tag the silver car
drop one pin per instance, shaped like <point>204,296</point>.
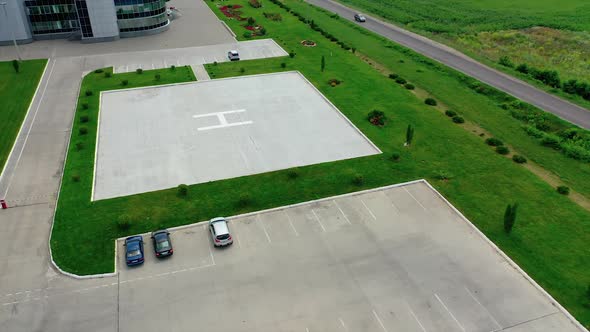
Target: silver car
<point>220,232</point>
<point>233,55</point>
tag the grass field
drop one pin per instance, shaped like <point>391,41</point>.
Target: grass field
<point>16,92</point>
<point>549,240</point>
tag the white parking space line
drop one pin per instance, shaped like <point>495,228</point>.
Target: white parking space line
<point>416,318</point>
<point>379,320</point>
<point>392,202</point>
<point>291,223</point>
<point>369,210</point>
<point>484,308</point>
<point>417,201</point>
<point>306,329</point>
<point>211,254</point>
<point>318,219</point>
<point>263,228</point>
<point>343,325</point>
<point>344,215</point>
<point>450,313</point>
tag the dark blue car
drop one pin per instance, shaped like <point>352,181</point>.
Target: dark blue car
<point>134,250</point>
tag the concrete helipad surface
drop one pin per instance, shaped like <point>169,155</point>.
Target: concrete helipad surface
<point>159,137</point>
<point>394,259</point>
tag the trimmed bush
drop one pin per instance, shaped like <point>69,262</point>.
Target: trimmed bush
<point>395,156</point>
<point>125,82</point>
<point>182,190</point>
<point>376,117</point>
<point>505,61</point>
<point>76,178</point>
<point>519,159</point>
<point>88,93</point>
<point>442,175</point>
<point>173,67</point>
<point>157,77</point>
<point>84,118</point>
<point>430,101</point>
<point>292,174</point>
<point>83,130</point>
<point>550,140</point>
<point>244,201</point>
<point>400,80</point>
<point>251,20</point>
<point>283,65</point>
<point>79,146</point>
<point>139,71</point>
<point>358,180</point>
<point>492,141</point>
<point>450,113</point>
<point>458,119</point>
<point>124,222</point>
<point>108,74</point>
<point>292,54</point>
<point>393,76</point>
<point>409,86</point>
<point>502,150</point>
<point>85,106</point>
<point>247,34</point>
<point>98,71</point>
<point>564,190</point>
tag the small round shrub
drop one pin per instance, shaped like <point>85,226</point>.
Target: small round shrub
<point>88,93</point>
<point>242,70</point>
<point>139,71</point>
<point>395,156</point>
<point>358,180</point>
<point>519,159</point>
<point>244,201</point>
<point>292,174</point>
<point>83,131</point>
<point>247,34</point>
<point>98,71</point>
<point>79,146</point>
<point>124,222</point>
<point>450,113</point>
<point>215,63</point>
<point>76,178</point>
<point>251,20</point>
<point>563,190</point>
<point>84,118</point>
<point>442,175</point>
<point>376,117</point>
<point>182,190</point>
<point>108,74</point>
<point>292,54</point>
<point>283,65</point>
<point>400,80</point>
<point>492,141</point>
<point>458,119</point>
<point>409,86</point>
<point>430,101</point>
<point>157,77</point>
<point>173,67</point>
<point>393,76</point>
<point>502,150</point>
<point>125,82</point>
<point>85,106</point>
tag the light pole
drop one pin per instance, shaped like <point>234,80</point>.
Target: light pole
<point>11,30</point>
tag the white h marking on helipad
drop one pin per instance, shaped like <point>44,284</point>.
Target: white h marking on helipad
<point>222,120</point>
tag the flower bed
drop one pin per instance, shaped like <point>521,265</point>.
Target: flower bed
<point>232,12</point>
<point>308,43</point>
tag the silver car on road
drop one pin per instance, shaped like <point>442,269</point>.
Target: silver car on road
<point>220,232</point>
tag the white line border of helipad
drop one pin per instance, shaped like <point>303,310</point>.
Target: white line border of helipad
<point>296,72</point>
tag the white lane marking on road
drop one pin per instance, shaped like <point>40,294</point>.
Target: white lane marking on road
<point>370,212</point>
<point>379,320</point>
<point>290,223</point>
<point>263,228</point>
<point>417,201</point>
<point>484,308</point>
<point>318,219</point>
<point>343,325</point>
<point>344,215</point>
<point>306,329</point>
<point>450,313</point>
<point>20,154</point>
<point>211,254</point>
<point>416,318</point>
<point>222,120</point>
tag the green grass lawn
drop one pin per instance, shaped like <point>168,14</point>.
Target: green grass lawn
<point>550,237</point>
<point>16,92</point>
<point>480,28</point>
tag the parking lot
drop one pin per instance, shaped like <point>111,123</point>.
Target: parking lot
<point>219,129</point>
<point>394,259</point>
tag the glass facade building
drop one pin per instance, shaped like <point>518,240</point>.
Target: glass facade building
<point>91,20</point>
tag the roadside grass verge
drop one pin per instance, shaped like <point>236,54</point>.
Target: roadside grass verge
<point>16,92</point>
<point>550,237</point>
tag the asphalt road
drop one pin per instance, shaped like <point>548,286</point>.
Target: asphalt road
<point>454,59</point>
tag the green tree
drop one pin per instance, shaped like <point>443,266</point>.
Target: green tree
<point>16,65</point>
<point>323,65</point>
<point>409,135</point>
<point>510,217</point>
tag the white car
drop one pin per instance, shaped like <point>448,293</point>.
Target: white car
<point>220,232</point>
<point>233,55</point>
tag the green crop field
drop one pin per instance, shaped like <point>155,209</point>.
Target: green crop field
<point>551,234</point>
<point>16,92</point>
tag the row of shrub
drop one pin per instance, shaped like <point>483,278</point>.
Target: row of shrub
<point>569,142</point>
<point>314,26</point>
<point>551,78</point>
